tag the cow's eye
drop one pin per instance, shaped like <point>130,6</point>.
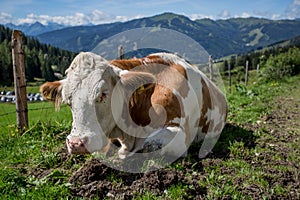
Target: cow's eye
<point>69,102</point>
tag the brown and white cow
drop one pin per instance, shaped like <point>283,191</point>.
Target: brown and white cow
<point>160,99</point>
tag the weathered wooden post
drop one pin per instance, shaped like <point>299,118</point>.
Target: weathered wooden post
<point>211,72</point>
<point>19,80</point>
<point>246,75</point>
<point>121,52</point>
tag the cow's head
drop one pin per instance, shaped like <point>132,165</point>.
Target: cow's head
<point>87,90</point>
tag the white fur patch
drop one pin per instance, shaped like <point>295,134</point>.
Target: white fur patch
<point>168,57</point>
<point>169,141</point>
<point>123,72</point>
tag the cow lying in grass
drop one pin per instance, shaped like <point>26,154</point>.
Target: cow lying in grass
<point>157,100</point>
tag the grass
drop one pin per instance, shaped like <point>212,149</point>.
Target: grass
<point>253,159</point>
<point>247,164</point>
<point>23,153</point>
<point>37,112</point>
<point>36,148</point>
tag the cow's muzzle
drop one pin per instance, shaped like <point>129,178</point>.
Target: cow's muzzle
<point>76,145</point>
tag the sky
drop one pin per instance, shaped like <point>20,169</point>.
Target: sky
<point>83,12</point>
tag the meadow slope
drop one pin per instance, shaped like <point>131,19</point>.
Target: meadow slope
<point>256,157</point>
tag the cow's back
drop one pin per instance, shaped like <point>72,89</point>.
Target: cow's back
<point>182,96</point>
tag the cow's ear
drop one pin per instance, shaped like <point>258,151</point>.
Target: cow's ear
<point>132,80</point>
<point>52,91</point>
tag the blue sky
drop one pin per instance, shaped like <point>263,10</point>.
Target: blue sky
<point>80,12</point>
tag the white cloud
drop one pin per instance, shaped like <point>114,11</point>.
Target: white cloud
<point>95,17</point>
<point>200,16</point>
<point>243,15</point>
<point>5,18</point>
<point>267,14</point>
<point>293,10</point>
<point>31,18</point>
<point>224,14</point>
<point>297,2</point>
<point>276,16</point>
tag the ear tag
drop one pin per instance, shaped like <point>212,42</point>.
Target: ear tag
<point>141,89</point>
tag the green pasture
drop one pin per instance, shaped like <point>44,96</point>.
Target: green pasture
<point>37,112</point>
<point>253,159</point>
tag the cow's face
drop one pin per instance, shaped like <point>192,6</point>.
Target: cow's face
<point>86,90</point>
<point>91,111</point>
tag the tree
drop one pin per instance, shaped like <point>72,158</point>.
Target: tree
<point>36,63</point>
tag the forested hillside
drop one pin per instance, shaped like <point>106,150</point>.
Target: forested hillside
<point>41,61</point>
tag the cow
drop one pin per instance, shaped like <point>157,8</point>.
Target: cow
<point>158,101</point>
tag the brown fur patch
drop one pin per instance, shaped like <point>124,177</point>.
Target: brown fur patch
<point>206,104</point>
<point>126,64</point>
<point>52,92</point>
<point>135,62</point>
<point>187,133</point>
<point>162,94</point>
<point>219,101</point>
<point>212,99</point>
<point>165,97</point>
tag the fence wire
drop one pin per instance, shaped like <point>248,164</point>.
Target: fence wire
<point>43,108</point>
<point>37,112</point>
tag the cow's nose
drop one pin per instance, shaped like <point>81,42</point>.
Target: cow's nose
<point>76,145</point>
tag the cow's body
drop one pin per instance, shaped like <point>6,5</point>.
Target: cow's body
<point>159,99</point>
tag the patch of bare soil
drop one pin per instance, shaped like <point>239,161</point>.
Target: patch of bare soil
<point>95,179</point>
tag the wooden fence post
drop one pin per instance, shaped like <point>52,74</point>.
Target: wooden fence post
<point>211,68</point>
<point>121,52</point>
<point>19,80</point>
<point>246,75</point>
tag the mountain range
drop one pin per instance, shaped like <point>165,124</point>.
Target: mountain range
<point>218,37</point>
<point>35,28</point>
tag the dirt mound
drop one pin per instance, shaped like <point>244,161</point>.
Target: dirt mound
<point>95,179</point>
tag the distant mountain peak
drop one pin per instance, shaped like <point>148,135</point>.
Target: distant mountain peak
<point>37,23</point>
<point>36,28</point>
<point>167,16</point>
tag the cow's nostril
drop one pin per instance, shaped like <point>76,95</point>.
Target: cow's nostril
<point>69,143</point>
<point>80,144</point>
<point>77,145</point>
<point>84,140</point>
